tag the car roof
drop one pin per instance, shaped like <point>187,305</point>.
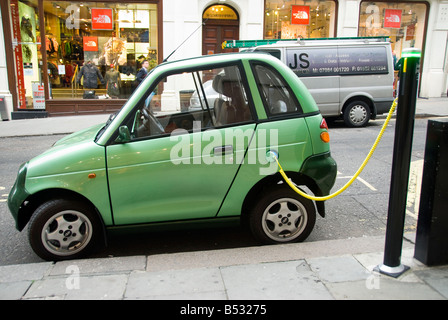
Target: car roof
<point>216,59</point>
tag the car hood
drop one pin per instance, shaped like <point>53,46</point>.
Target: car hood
<point>74,153</point>
<point>88,134</point>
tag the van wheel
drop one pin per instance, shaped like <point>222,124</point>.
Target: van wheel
<point>357,114</point>
<point>282,216</point>
<point>63,229</point>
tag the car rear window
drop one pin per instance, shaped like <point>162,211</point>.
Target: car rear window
<point>278,98</point>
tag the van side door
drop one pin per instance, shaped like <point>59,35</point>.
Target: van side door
<point>318,70</point>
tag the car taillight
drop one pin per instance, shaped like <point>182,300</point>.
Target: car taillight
<point>323,124</point>
<point>324,136</point>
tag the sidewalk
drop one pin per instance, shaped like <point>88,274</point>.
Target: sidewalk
<point>49,126</point>
<point>432,107</point>
<point>322,270</point>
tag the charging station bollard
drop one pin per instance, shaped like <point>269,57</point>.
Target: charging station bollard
<point>401,161</point>
<point>431,242</point>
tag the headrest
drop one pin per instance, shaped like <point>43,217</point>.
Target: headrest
<point>217,83</point>
<point>230,75</point>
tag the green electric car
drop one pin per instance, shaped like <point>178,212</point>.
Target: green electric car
<point>160,161</point>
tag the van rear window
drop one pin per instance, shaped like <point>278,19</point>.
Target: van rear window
<point>312,62</point>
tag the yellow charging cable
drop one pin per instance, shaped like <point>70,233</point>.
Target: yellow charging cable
<point>366,160</point>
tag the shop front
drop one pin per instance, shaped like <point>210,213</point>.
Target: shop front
<point>79,57</point>
<point>403,22</point>
<point>406,23</point>
<point>50,44</point>
<point>299,19</point>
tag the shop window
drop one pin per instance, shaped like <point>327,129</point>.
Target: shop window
<point>299,19</point>
<point>403,22</point>
<point>95,49</point>
<point>27,57</point>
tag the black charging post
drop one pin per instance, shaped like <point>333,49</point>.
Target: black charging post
<point>401,161</point>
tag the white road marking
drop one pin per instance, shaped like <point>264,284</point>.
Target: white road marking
<point>368,185</point>
<point>5,195</point>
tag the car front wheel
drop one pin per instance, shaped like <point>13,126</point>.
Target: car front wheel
<point>63,229</point>
<point>282,216</point>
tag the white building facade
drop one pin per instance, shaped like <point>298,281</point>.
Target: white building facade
<point>423,25</point>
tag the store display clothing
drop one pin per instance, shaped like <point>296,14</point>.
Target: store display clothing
<point>113,82</point>
<point>91,75</point>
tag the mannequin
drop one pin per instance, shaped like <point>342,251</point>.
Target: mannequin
<point>113,82</point>
<point>91,75</point>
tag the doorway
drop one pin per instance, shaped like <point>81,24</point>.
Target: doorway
<point>221,24</point>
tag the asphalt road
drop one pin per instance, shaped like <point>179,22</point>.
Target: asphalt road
<point>359,211</point>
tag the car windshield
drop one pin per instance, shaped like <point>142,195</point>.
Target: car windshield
<point>113,115</point>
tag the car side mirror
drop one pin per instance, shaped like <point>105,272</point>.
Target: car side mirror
<point>123,135</point>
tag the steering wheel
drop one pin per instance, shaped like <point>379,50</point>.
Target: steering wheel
<point>154,122</point>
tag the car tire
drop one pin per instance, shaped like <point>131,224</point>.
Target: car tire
<point>282,216</point>
<point>357,114</point>
<point>63,229</point>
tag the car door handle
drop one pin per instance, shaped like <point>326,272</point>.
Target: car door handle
<point>218,151</point>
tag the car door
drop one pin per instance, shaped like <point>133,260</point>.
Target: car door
<point>178,165</point>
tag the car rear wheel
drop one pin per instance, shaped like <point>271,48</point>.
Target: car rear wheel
<point>357,114</point>
<point>282,216</point>
<point>63,229</point>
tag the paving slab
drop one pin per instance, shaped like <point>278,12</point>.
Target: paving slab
<point>176,284</point>
<point>13,290</point>
<point>21,272</point>
<point>280,280</point>
<point>101,287</point>
<point>382,289</point>
<point>338,269</point>
<point>436,277</point>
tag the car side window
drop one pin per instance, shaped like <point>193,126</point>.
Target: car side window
<point>197,100</point>
<point>277,95</point>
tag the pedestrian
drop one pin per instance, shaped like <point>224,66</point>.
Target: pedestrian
<point>141,74</point>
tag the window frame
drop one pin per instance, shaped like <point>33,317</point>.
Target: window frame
<point>128,120</point>
<point>276,116</point>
